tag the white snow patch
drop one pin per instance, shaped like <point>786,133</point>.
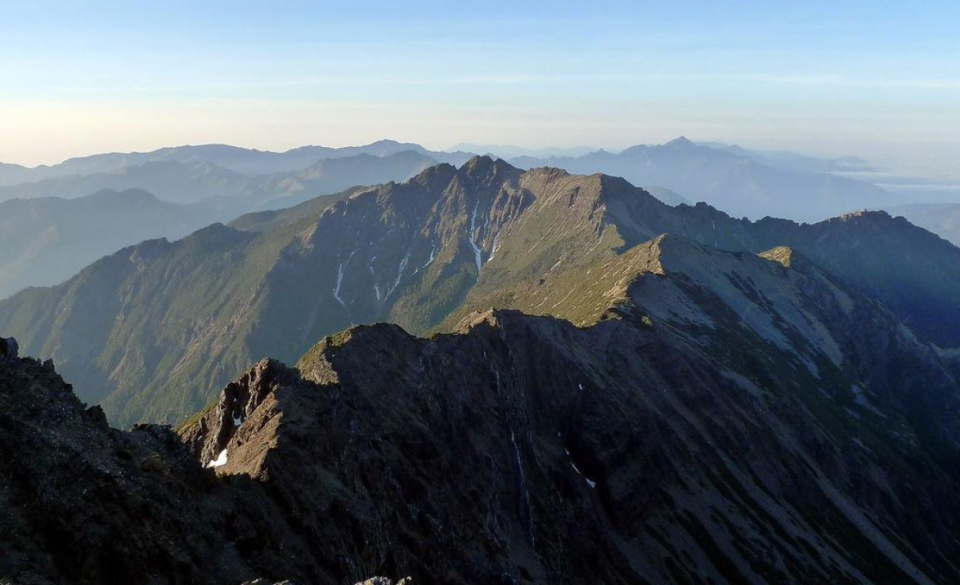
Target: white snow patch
<point>219,461</point>
<point>238,420</point>
<point>495,247</point>
<point>403,266</point>
<point>376,286</point>
<point>340,267</point>
<point>433,256</point>
<point>477,252</point>
<point>336,289</point>
<point>590,482</point>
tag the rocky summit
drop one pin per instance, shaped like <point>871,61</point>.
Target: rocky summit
<point>715,416</point>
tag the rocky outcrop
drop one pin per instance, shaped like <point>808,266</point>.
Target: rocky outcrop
<point>9,348</point>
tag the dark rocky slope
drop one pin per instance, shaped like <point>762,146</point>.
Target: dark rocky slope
<point>81,503</point>
<point>732,418</point>
<point>726,418</point>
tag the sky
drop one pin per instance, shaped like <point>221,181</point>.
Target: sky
<point>878,79</point>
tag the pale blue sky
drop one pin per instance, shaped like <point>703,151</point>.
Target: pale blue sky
<point>82,77</point>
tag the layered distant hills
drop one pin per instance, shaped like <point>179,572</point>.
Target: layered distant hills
<point>217,183</point>
<point>243,161</point>
<point>153,331</point>
<point>740,182</point>
<point>53,227</point>
<point>46,240</point>
<point>203,182</point>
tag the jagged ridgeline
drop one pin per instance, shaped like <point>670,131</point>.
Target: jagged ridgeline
<point>715,417</point>
<point>154,331</point>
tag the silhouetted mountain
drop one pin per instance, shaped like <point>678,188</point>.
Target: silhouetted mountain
<point>171,181</point>
<point>942,219</point>
<point>47,240</point>
<point>224,194</point>
<point>244,161</point>
<point>739,184</point>
<point>666,195</point>
<point>154,330</point>
<point>13,174</point>
<point>798,162</point>
<point>508,151</point>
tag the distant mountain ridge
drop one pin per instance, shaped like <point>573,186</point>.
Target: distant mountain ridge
<point>45,241</point>
<point>244,161</point>
<point>154,330</point>
<point>202,181</point>
<point>741,184</point>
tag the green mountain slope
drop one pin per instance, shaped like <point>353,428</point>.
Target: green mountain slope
<point>155,330</point>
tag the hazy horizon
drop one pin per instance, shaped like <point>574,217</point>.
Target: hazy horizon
<point>881,82</point>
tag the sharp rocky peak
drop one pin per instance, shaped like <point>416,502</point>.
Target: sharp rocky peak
<point>486,167</point>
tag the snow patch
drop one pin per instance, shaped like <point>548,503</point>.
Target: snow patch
<point>403,266</point>
<point>376,286</point>
<point>238,420</point>
<point>590,482</point>
<point>495,247</point>
<point>219,461</point>
<point>336,289</point>
<point>340,267</point>
<point>433,256</point>
<point>477,252</point>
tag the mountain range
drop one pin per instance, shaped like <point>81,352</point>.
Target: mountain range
<point>244,161</point>
<point>741,182</point>
<point>204,182</point>
<point>153,331</point>
<point>696,415</point>
<point>47,239</point>
<point>219,183</point>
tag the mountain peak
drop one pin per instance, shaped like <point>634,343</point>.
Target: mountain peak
<point>680,142</point>
<point>865,214</point>
<point>480,161</point>
<point>484,165</point>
